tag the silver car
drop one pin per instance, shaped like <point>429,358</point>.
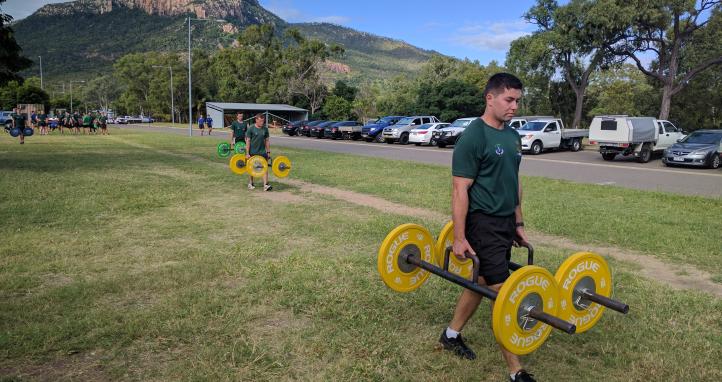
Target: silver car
<point>702,148</point>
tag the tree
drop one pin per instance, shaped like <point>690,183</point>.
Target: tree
<point>527,58</point>
<point>343,90</point>
<point>580,35</point>
<point>337,108</point>
<point>11,60</point>
<point>101,91</point>
<point>663,28</point>
<point>620,90</point>
<point>451,99</point>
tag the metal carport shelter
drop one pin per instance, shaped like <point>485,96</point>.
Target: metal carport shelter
<point>226,111</point>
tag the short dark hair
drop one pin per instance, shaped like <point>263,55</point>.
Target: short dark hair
<point>502,81</point>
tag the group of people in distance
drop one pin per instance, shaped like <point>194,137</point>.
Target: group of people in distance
<point>90,123</point>
<point>203,122</point>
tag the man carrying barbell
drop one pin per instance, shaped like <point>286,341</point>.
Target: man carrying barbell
<point>258,143</point>
<point>238,130</point>
<point>486,206</point>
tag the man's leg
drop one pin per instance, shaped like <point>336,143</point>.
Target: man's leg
<point>511,359</point>
<point>465,308</point>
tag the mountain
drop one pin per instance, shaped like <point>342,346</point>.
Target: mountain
<point>83,38</point>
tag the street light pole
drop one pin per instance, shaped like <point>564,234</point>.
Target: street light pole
<point>190,90</point>
<point>172,103</point>
<point>41,73</point>
<point>71,94</point>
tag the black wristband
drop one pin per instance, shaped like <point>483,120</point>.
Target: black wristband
<point>520,224</point>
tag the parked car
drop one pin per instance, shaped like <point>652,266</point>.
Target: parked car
<point>423,134</point>
<point>517,122</point>
<point>373,131</point>
<point>350,129</point>
<point>5,119</point>
<point>549,133</point>
<point>305,129</point>
<point>449,135</point>
<point>292,128</point>
<point>318,130</point>
<point>700,148</point>
<point>121,121</point>
<point>146,120</point>
<point>638,136</point>
<point>129,119</point>
<point>399,132</point>
<point>333,130</point>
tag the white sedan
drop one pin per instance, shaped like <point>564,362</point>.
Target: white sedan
<point>422,135</point>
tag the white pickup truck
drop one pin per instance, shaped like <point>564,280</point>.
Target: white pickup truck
<point>638,136</point>
<point>549,133</point>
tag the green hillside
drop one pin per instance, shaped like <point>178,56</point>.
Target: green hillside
<point>76,41</point>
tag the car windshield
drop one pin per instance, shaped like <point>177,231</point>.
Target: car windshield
<point>386,120</point>
<point>533,126</point>
<point>406,121</point>
<point>703,138</point>
<point>461,123</point>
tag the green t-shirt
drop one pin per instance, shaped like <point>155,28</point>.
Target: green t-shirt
<point>42,117</point>
<point>257,137</point>
<point>86,120</point>
<point>490,157</point>
<point>19,120</point>
<point>239,129</point>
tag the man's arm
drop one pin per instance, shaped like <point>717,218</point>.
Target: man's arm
<point>268,145</point>
<point>519,218</point>
<point>459,209</point>
<point>248,146</point>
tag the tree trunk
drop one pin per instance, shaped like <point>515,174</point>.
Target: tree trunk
<point>578,108</point>
<point>666,101</point>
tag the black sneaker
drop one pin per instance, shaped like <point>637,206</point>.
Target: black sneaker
<point>457,346</point>
<point>522,376</point>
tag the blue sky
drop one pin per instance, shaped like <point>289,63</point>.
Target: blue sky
<point>478,30</point>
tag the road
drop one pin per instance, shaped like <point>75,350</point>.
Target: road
<point>585,166</point>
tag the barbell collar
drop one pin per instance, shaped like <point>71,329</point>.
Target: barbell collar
<point>552,321</point>
<point>605,301</point>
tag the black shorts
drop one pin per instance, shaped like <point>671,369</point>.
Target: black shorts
<point>201,127</point>
<point>264,155</point>
<point>491,237</point>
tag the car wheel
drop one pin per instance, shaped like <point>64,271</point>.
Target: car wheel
<point>576,145</point>
<point>714,162</point>
<point>608,156</point>
<point>379,139</point>
<point>432,142</point>
<point>404,140</point>
<point>536,148</point>
<point>645,155</point>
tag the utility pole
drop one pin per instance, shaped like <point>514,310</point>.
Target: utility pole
<point>41,73</point>
<point>190,90</point>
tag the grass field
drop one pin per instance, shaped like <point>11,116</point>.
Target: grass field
<point>139,256</point>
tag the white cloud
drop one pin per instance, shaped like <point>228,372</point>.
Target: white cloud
<point>495,37</point>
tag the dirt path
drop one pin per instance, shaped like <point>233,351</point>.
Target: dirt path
<point>683,277</point>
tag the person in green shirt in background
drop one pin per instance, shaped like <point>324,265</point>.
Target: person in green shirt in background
<point>19,123</point>
<point>43,123</point>
<point>238,130</point>
<point>104,124</point>
<point>87,123</point>
<point>258,143</point>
